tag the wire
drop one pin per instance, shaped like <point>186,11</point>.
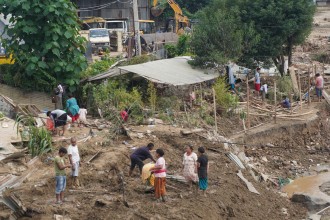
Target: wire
<point>99,7</point>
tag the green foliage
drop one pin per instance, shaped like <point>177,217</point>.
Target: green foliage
<point>152,96</point>
<point>183,46</point>
<point>97,67</point>
<point>171,50</point>
<point>223,97</point>
<point>245,31</point>
<point>279,26</point>
<point>112,97</point>
<point>39,139</point>
<point>138,60</point>
<point>44,42</point>
<point>219,35</point>
<point>193,5</point>
<point>284,85</point>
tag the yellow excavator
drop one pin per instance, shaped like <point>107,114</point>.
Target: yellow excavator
<point>181,21</point>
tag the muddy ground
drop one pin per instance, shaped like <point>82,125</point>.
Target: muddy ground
<point>228,198</point>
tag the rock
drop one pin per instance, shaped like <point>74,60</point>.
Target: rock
<point>270,145</point>
<point>284,211</point>
<point>286,163</point>
<point>264,159</point>
<point>230,211</point>
<point>101,203</point>
<point>294,163</point>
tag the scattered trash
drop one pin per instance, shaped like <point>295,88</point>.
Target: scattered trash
<point>235,159</point>
<point>247,183</point>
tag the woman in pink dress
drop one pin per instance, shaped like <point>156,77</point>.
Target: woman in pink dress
<point>190,165</point>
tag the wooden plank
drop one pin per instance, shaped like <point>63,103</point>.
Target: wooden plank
<point>326,96</point>
<point>294,80</point>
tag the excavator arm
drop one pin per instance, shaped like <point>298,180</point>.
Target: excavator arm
<point>179,17</point>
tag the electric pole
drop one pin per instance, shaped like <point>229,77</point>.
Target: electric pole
<point>137,28</point>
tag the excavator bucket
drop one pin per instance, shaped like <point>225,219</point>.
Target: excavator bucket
<point>156,11</point>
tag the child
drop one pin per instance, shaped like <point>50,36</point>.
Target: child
<point>202,169</point>
<point>60,175</point>
<point>74,158</point>
<point>159,171</point>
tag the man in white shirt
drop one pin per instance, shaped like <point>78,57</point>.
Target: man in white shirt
<point>74,158</point>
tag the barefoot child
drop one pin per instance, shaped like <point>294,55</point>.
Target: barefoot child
<point>160,175</point>
<point>202,169</point>
<point>60,175</point>
<point>74,158</point>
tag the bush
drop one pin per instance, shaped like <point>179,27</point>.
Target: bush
<point>223,97</point>
<point>284,85</point>
<point>171,50</point>
<point>97,67</point>
<point>152,96</point>
<point>39,139</point>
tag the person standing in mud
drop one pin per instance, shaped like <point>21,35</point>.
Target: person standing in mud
<point>74,158</point>
<point>60,175</point>
<point>202,169</point>
<point>140,155</point>
<point>319,86</point>
<point>190,165</point>
<point>159,171</point>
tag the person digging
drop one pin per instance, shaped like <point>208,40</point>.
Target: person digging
<point>140,155</point>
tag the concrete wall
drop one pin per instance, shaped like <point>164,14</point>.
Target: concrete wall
<point>41,100</point>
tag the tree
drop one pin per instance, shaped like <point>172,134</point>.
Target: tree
<point>280,25</point>
<point>193,5</point>
<point>44,42</point>
<point>249,31</point>
<point>220,35</point>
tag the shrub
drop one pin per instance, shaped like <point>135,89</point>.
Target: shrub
<point>223,97</point>
<point>39,139</point>
<point>97,67</point>
<point>152,96</point>
<point>171,50</point>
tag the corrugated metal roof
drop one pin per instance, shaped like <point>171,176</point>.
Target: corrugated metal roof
<point>175,71</point>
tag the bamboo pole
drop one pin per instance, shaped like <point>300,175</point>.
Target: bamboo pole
<point>290,97</point>
<point>215,111</point>
<point>248,104</point>
<point>299,85</point>
<point>309,86</point>
<point>275,101</point>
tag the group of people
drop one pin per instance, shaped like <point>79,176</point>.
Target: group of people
<point>72,113</point>
<point>60,165</point>
<point>195,168</point>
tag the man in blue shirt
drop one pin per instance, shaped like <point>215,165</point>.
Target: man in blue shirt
<point>139,155</point>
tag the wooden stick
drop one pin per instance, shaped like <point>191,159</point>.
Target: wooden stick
<point>275,101</point>
<point>291,107</point>
<point>299,85</point>
<point>309,86</point>
<point>244,127</point>
<point>215,111</point>
<point>251,128</point>
<point>248,103</point>
<point>262,109</point>
<point>93,157</point>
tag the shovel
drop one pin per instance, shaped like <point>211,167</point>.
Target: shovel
<point>123,188</point>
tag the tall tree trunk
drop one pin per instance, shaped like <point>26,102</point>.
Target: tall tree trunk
<point>290,47</point>
<point>279,63</point>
